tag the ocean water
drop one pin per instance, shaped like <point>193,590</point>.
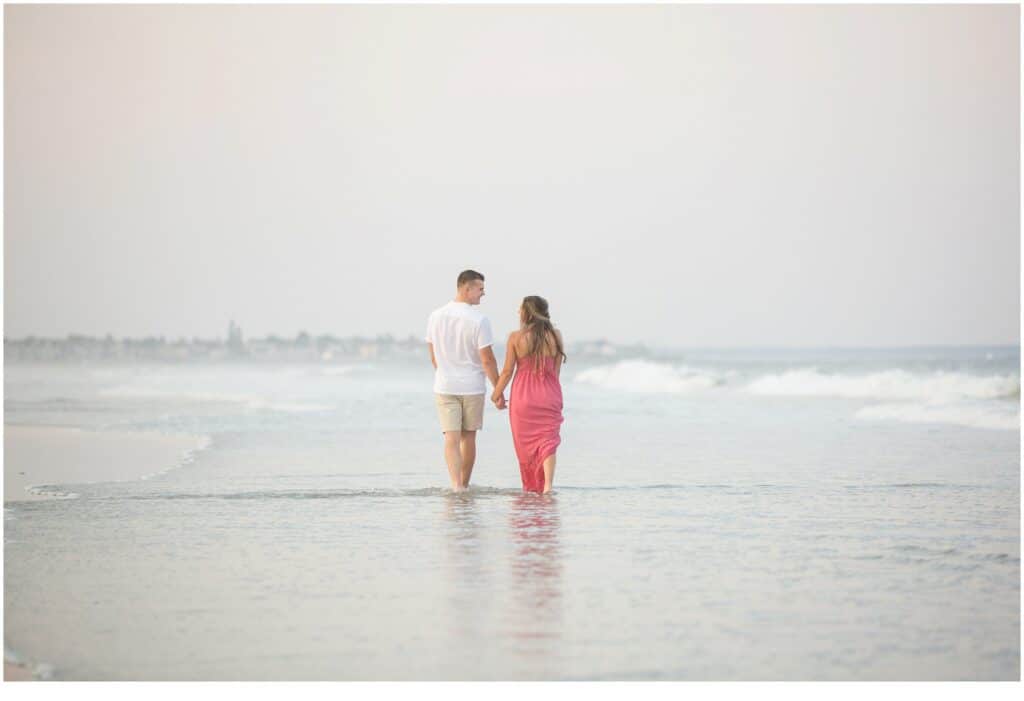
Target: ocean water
<point>718,515</point>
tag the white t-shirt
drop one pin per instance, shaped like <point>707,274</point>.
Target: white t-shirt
<point>458,333</point>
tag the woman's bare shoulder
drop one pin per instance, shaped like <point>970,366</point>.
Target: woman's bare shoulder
<point>515,340</point>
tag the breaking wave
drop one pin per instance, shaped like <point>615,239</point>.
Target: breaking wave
<point>888,384</point>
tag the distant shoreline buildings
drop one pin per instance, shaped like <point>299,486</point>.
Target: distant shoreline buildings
<point>302,348</point>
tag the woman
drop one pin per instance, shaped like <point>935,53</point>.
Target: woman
<point>536,354</point>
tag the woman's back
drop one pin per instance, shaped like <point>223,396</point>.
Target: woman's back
<point>548,348</point>
<point>536,353</point>
<point>535,408</point>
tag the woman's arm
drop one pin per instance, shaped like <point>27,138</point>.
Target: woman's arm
<point>506,372</point>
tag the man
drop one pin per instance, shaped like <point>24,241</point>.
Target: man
<point>459,339</point>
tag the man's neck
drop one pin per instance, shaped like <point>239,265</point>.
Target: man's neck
<point>460,300</point>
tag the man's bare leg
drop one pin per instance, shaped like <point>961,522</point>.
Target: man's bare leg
<point>549,472</point>
<point>468,445</point>
<point>453,456</point>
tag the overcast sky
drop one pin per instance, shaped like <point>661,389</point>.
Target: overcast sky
<point>673,175</point>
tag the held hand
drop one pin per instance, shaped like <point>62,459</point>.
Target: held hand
<point>499,400</point>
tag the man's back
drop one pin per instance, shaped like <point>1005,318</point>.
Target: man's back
<point>458,332</point>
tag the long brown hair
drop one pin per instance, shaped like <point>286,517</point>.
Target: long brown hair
<point>534,317</point>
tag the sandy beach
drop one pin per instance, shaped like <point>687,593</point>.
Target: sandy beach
<point>16,672</point>
<point>47,455</point>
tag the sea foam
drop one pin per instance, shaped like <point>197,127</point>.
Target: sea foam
<point>1000,416</point>
<point>887,384</point>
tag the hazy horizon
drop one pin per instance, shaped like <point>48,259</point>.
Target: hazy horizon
<point>789,176</point>
<point>501,342</point>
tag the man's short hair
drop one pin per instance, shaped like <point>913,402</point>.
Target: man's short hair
<point>468,276</point>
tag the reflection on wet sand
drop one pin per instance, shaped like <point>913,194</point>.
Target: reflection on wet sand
<point>534,617</point>
<point>467,576</point>
<point>524,607</point>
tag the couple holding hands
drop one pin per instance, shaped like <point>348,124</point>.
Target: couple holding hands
<point>460,342</point>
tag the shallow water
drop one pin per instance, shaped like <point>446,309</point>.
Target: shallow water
<point>704,531</point>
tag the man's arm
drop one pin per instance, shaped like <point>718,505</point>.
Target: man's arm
<point>490,364</point>
<point>433,360</point>
<point>510,365</point>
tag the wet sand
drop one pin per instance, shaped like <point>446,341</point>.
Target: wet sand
<point>16,672</point>
<point>48,455</point>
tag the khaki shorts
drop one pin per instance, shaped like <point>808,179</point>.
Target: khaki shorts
<point>460,412</point>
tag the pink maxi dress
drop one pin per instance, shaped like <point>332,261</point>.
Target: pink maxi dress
<point>535,412</point>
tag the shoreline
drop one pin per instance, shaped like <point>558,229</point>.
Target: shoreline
<point>39,458</point>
